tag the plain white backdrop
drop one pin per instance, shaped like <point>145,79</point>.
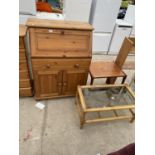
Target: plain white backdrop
<point>9,102</point>
<point>145,78</point>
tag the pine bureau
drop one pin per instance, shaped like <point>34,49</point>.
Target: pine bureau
<point>61,53</point>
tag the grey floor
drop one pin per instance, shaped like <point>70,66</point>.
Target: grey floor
<point>55,129</point>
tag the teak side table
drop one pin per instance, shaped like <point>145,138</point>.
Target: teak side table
<point>119,100</point>
<point>101,69</point>
<point>112,70</point>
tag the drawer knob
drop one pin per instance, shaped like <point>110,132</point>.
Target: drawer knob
<point>76,65</point>
<point>62,32</point>
<point>64,84</point>
<point>48,66</point>
<point>50,31</point>
<point>59,84</point>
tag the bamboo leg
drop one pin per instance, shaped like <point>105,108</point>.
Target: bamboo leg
<point>115,112</point>
<point>99,115</point>
<point>132,119</point>
<point>81,113</point>
<point>133,116</point>
<point>82,120</point>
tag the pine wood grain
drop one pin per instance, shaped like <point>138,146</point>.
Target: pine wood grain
<point>60,43</point>
<point>22,30</point>
<point>44,23</point>
<point>101,69</point>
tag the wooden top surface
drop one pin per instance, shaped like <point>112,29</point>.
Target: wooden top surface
<point>101,69</point>
<point>22,30</point>
<point>58,24</point>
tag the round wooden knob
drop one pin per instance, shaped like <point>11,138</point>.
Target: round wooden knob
<point>62,32</point>
<point>64,83</point>
<point>76,65</point>
<point>48,66</point>
<point>59,84</point>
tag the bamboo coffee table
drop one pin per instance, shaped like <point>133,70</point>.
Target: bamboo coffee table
<point>116,100</point>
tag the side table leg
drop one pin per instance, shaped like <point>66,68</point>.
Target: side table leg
<point>91,80</point>
<point>132,119</point>
<point>124,78</point>
<point>133,116</point>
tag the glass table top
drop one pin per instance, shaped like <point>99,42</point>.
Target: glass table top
<point>98,97</point>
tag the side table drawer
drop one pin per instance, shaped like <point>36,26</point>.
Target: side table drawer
<point>22,56</point>
<point>25,91</point>
<point>22,65</point>
<point>25,83</point>
<point>23,74</point>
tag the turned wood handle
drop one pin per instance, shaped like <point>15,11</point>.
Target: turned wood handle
<point>64,84</point>
<point>48,66</point>
<point>62,32</point>
<point>59,84</point>
<point>76,65</point>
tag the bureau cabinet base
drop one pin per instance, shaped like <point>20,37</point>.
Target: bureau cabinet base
<point>59,79</point>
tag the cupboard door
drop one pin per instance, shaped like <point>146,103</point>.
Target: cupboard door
<point>47,83</point>
<point>73,78</point>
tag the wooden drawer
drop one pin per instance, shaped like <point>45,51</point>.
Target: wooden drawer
<point>21,42</point>
<point>22,55</point>
<point>22,65</point>
<point>60,43</point>
<point>24,83</point>
<point>62,64</point>
<point>22,50</point>
<point>25,91</point>
<point>23,75</point>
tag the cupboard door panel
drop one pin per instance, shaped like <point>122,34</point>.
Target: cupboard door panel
<point>73,78</point>
<point>47,83</point>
